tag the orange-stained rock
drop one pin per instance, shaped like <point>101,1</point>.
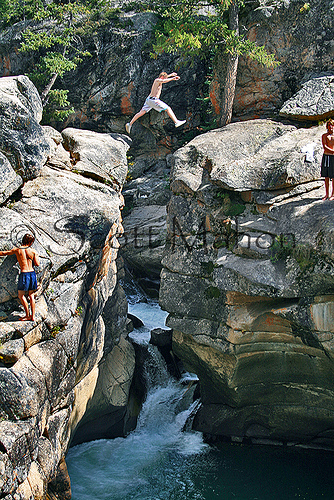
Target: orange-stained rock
<point>126,106</point>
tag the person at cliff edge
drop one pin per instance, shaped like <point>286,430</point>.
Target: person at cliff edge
<point>153,101</point>
<point>27,258</point>
<point>327,163</point>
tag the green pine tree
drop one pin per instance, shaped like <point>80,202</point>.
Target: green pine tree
<point>208,29</point>
<point>54,32</point>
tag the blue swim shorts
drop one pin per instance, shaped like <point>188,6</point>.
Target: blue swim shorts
<point>27,281</point>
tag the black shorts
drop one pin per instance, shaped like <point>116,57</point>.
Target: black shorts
<point>327,166</point>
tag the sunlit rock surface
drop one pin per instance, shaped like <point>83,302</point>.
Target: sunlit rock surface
<point>22,139</point>
<point>68,374</point>
<point>314,101</point>
<point>248,282</point>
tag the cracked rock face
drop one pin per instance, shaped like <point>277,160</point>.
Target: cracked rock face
<point>22,138</point>
<point>302,41</point>
<point>69,372</point>
<point>100,156</point>
<point>260,156</point>
<point>248,281</point>
<point>315,100</point>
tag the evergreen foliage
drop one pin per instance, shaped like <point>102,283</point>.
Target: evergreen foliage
<point>53,31</point>
<point>184,29</point>
<point>206,29</point>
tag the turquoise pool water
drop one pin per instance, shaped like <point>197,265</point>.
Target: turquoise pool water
<point>159,461</point>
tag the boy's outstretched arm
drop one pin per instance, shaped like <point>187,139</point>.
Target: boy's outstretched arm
<point>7,252</point>
<point>166,80</point>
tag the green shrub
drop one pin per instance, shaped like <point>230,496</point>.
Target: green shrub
<point>281,248</point>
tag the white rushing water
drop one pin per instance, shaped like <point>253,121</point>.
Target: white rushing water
<point>151,315</point>
<point>148,463</point>
<point>159,461</point>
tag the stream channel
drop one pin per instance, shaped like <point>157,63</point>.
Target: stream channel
<point>161,461</point>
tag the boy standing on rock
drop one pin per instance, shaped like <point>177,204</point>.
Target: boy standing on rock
<point>153,101</point>
<point>27,258</point>
<point>327,163</point>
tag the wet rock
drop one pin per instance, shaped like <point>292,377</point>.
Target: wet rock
<point>105,412</point>
<point>144,238</point>
<point>161,337</point>
<point>61,484</point>
<point>136,322</point>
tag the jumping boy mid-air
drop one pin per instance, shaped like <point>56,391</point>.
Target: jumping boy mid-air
<point>27,258</point>
<point>153,101</point>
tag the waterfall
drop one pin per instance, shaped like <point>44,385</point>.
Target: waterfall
<point>162,459</point>
<point>140,465</point>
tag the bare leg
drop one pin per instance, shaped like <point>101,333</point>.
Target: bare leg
<point>332,195</point>
<point>137,115</point>
<point>171,114</point>
<point>327,188</point>
<point>24,302</point>
<point>32,304</point>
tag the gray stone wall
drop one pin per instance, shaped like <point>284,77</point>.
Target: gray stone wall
<point>67,374</point>
<point>302,41</point>
<point>248,282</point>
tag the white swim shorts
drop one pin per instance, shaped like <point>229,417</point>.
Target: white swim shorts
<point>154,103</point>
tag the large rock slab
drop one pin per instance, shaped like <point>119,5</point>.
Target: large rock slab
<point>248,281</point>
<point>256,155</point>
<point>143,240</point>
<point>314,101</point>
<point>107,404</point>
<point>22,139</point>
<point>100,156</point>
<point>75,217</point>
<point>10,181</point>
<point>75,213</point>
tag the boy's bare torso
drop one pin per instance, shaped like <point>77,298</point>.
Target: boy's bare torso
<point>26,257</point>
<point>328,141</point>
<point>156,88</point>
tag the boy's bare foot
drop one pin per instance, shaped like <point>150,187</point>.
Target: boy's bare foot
<point>26,318</point>
<point>325,198</point>
<point>332,197</point>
